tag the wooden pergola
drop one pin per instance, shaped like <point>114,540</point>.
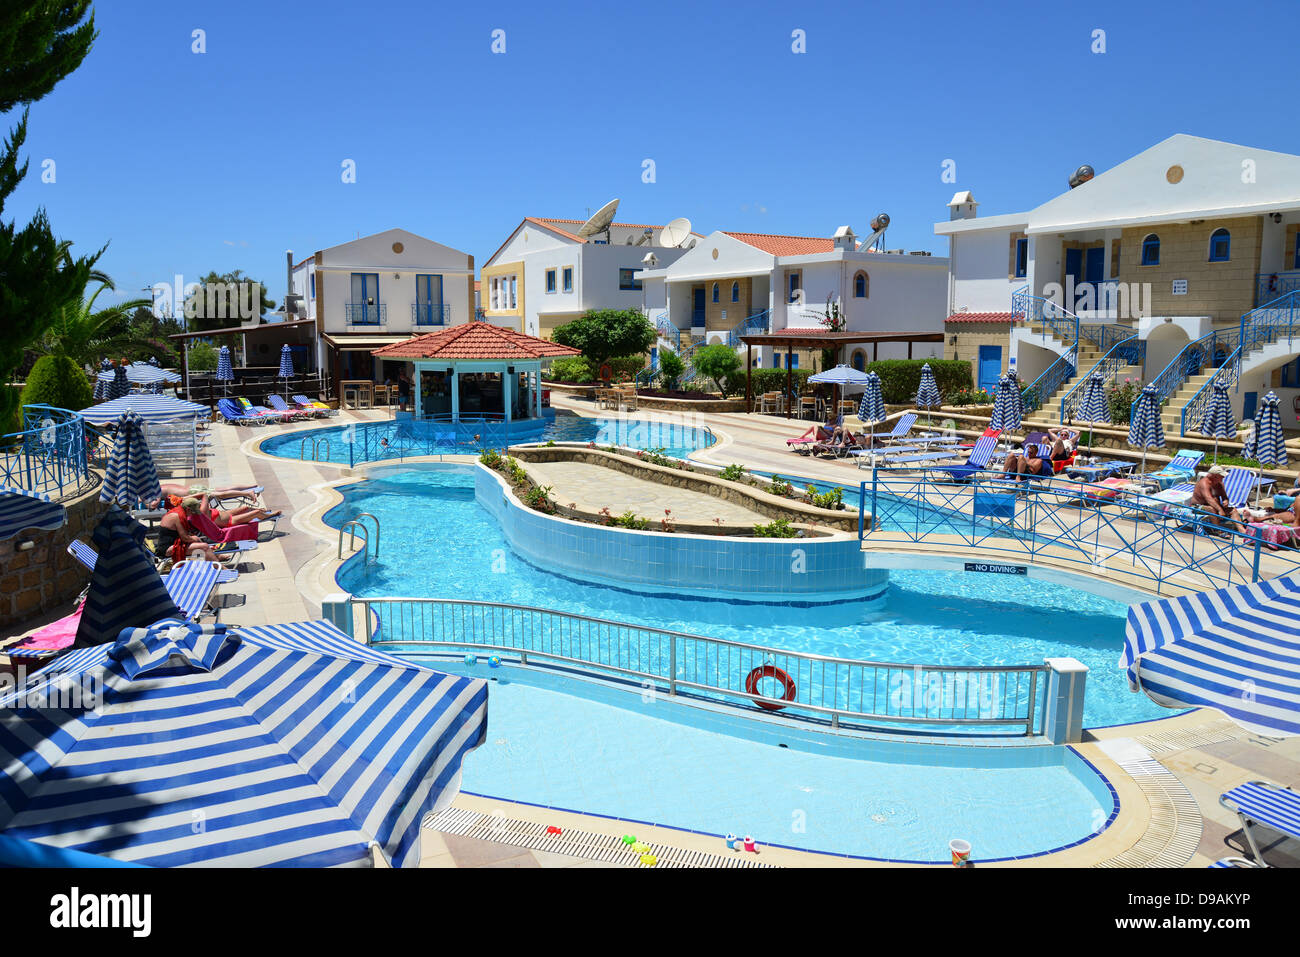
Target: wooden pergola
<point>819,339</point>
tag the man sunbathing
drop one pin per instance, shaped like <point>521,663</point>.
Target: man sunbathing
<point>816,434</point>
<point>240,515</point>
<point>184,491</point>
<point>841,440</point>
<point>1210,496</point>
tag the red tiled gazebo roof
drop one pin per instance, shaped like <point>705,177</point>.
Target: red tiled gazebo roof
<point>983,317</point>
<point>475,340</point>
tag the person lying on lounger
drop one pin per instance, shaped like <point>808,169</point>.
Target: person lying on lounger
<point>184,491</point>
<point>1210,496</point>
<point>240,515</point>
<point>817,434</point>
<point>840,441</point>
<point>177,540</point>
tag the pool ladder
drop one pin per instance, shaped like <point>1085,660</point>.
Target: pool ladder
<point>351,526</point>
<point>316,445</point>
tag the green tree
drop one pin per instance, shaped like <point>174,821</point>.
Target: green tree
<point>603,334</point>
<point>720,363</point>
<point>203,357</point>
<point>57,381</point>
<point>672,367</point>
<point>41,42</point>
<point>85,334</point>
<point>224,300</point>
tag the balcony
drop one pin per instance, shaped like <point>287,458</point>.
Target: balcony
<point>1274,285</point>
<point>430,313</point>
<point>366,313</point>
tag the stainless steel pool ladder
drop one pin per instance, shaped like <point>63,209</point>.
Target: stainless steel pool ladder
<point>351,526</point>
<point>315,448</point>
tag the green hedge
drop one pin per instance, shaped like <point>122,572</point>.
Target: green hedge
<point>900,378</point>
<point>578,368</point>
<point>57,381</point>
<point>773,380</point>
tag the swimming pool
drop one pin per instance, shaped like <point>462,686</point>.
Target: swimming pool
<point>364,442</point>
<point>439,542</point>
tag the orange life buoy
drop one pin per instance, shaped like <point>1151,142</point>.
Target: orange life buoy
<point>770,671</point>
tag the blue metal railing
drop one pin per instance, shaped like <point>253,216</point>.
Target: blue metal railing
<point>50,454</point>
<point>1139,536</point>
<point>1063,323</point>
<point>1262,326</point>
<point>430,313</point>
<point>1130,351</point>
<point>1269,286</point>
<point>1049,383</point>
<point>366,313</point>
<point>668,331</point>
<point>752,325</point>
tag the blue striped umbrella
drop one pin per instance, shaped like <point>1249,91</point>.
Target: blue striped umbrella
<point>1218,420</point>
<point>142,373</point>
<point>1007,410</point>
<point>928,392</point>
<point>1236,649</point>
<point>21,510</point>
<point>1147,431</point>
<point>125,590</point>
<point>224,372</point>
<point>286,366</point>
<point>276,745</point>
<point>1094,407</point>
<point>118,386</point>
<point>130,479</point>
<point>101,390</point>
<point>150,408</point>
<point>1270,444</point>
<point>872,407</point>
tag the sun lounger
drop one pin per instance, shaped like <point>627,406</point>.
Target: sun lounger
<point>803,446</point>
<point>277,404</point>
<point>246,531</point>
<point>1180,468</point>
<point>312,405</point>
<point>901,428</point>
<point>260,410</point>
<point>87,556</point>
<point>1258,802</point>
<point>48,641</point>
<point>190,586</point>
<point>1240,482</point>
<point>1234,862</point>
<point>233,414</point>
<point>926,457</point>
<point>977,461</point>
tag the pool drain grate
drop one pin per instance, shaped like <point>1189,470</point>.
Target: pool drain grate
<point>588,845</point>
<point>1174,831</point>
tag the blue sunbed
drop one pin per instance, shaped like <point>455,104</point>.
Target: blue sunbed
<point>901,428</point>
<point>977,461</point>
<point>1258,802</point>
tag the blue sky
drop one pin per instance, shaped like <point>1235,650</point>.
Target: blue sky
<point>188,162</point>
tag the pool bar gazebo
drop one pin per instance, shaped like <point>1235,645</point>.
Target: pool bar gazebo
<point>476,373</point>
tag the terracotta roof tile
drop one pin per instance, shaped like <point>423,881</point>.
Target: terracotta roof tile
<point>982,317</point>
<point>784,245</point>
<point>475,340</point>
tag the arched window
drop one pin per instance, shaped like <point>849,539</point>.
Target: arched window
<point>859,360</point>
<point>715,292</point>
<point>861,285</point>
<point>1220,246</point>
<point>735,292</point>
<point>1151,250</point>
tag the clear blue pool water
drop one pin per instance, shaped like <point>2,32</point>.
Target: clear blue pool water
<point>438,542</point>
<point>342,444</point>
<point>608,752</point>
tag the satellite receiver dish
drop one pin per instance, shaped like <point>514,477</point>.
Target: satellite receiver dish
<point>676,232</point>
<point>599,222</point>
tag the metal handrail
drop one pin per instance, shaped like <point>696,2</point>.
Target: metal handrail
<point>430,313</point>
<point>1130,351</point>
<point>839,690</point>
<point>366,313</point>
<point>1050,382</point>
<point>49,456</point>
<point>354,524</point>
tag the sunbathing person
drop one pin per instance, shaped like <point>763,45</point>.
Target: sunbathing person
<point>817,433</point>
<point>1063,442</point>
<point>1210,496</point>
<point>175,530</point>
<point>841,441</point>
<point>240,515</point>
<point>183,491</point>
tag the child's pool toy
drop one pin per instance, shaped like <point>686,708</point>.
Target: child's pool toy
<point>629,839</point>
<point>552,829</point>
<point>471,659</point>
<point>640,848</point>
<point>494,662</point>
<point>750,845</point>
<point>649,860</point>
<point>732,842</point>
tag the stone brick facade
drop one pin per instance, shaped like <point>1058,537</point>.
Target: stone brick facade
<point>1222,290</point>
<point>970,336</point>
<point>38,579</point>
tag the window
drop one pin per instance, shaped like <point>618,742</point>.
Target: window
<point>513,282</point>
<point>715,292</point>
<point>1022,258</point>
<point>859,360</point>
<point>550,280</point>
<point>313,285</point>
<point>861,285</point>
<point>1291,375</point>
<point>794,361</point>
<point>794,280</point>
<point>1151,250</point>
<point>1220,246</point>
<point>568,279</point>
<point>735,292</point>
<point>627,278</point>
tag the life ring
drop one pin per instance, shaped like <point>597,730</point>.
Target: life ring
<point>770,671</point>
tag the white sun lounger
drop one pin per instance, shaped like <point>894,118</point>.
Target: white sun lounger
<point>1258,802</point>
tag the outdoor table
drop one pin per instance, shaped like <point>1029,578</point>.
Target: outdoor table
<point>363,391</point>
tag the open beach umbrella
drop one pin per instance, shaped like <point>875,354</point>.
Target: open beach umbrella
<point>130,479</point>
<point>1147,431</point>
<point>1094,408</point>
<point>142,373</point>
<point>840,376</point>
<point>224,373</point>
<point>150,408</point>
<point>286,367</point>
<point>1270,444</point>
<point>1217,420</point>
<point>118,385</point>
<point>275,745</point>
<point>1236,649</point>
<point>125,590</point>
<point>21,510</point>
<point>872,407</point>
<point>928,392</point>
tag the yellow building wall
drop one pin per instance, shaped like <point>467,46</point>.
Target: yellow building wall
<point>1222,290</point>
<point>515,269</point>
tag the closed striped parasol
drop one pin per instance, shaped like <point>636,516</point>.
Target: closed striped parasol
<point>1006,405</point>
<point>1094,408</point>
<point>1146,431</point>
<point>1236,649</point>
<point>130,479</point>
<point>224,373</point>
<point>872,407</point>
<point>928,393</point>
<point>288,745</point>
<point>1218,420</point>
<point>125,590</point>
<point>118,386</point>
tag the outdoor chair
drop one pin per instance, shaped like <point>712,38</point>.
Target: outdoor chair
<point>234,415</point>
<point>900,430</point>
<point>1258,802</point>
<point>277,404</point>
<point>1179,469</point>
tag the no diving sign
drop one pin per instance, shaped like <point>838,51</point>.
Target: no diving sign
<point>991,569</point>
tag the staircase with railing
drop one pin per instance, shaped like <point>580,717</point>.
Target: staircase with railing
<point>752,325</point>
<point>1125,353</point>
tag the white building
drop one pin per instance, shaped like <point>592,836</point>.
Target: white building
<point>545,274</point>
<point>378,290</point>
<point>734,283</point>
<point>1158,261</point>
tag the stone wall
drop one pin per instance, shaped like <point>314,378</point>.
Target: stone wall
<point>38,579</point>
<point>1222,290</point>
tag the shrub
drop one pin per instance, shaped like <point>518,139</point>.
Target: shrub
<point>491,458</point>
<point>672,367</point>
<point>733,473</point>
<point>900,378</point>
<point>773,380</point>
<point>777,528</point>
<point>781,487</point>
<point>571,369</point>
<point>539,497</point>
<point>720,363</point>
<point>964,397</point>
<point>627,366</point>
<point>629,520</point>
<point>1120,399</point>
<point>57,381</point>
<point>834,499</point>
<point>203,357</point>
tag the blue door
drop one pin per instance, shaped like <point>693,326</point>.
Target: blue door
<point>1094,269</point>
<point>428,301</point>
<point>1249,401</point>
<point>1073,272</point>
<point>697,314</point>
<point>990,368</point>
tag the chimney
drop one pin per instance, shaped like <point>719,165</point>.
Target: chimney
<point>962,206</point>
<point>845,239</point>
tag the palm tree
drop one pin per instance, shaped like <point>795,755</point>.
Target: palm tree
<point>84,334</point>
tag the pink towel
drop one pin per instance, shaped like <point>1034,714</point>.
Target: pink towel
<point>55,635</point>
<point>231,533</point>
<point>1274,535</point>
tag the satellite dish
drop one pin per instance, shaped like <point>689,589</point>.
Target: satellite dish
<point>676,232</point>
<point>599,222</point>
